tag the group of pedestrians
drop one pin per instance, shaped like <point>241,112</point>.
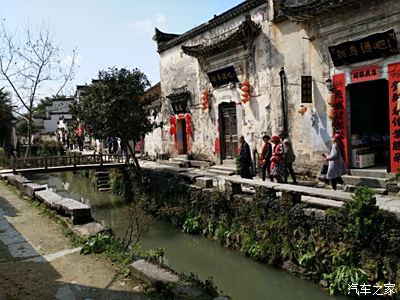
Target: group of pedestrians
<point>116,146</point>
<point>277,158</point>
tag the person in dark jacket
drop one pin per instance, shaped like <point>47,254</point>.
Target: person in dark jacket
<point>266,155</point>
<point>245,159</point>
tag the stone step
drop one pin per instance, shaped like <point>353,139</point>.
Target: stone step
<point>200,163</point>
<point>105,185</point>
<point>170,163</point>
<point>103,181</point>
<point>370,173</point>
<point>229,162</point>
<point>351,189</point>
<point>182,156</point>
<point>152,273</point>
<point>223,168</point>
<point>101,173</point>
<point>182,162</point>
<point>104,189</point>
<point>79,212</point>
<point>321,202</point>
<point>365,181</point>
<point>221,172</point>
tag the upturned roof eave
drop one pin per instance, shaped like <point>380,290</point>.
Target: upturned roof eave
<point>215,22</point>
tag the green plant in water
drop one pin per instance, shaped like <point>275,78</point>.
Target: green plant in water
<point>342,278</point>
<point>192,225</point>
<point>220,233</point>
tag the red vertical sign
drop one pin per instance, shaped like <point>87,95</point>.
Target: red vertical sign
<point>394,94</point>
<point>339,123</point>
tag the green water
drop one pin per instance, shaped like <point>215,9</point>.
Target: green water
<point>238,276</point>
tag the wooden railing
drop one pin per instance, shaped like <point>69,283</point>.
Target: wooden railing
<point>75,160</point>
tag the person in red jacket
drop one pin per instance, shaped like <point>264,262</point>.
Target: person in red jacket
<point>266,155</point>
<point>277,160</point>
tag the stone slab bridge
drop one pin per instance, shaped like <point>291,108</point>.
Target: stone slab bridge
<point>73,162</point>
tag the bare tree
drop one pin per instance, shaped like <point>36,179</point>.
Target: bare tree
<point>31,63</point>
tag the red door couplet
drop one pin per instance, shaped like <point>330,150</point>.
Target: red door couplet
<point>394,98</point>
<point>340,119</point>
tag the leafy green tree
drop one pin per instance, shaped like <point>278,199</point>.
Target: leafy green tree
<point>114,106</point>
<point>5,118</point>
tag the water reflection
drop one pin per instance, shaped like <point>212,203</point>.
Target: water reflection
<point>238,276</point>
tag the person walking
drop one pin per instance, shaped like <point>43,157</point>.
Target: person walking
<point>289,157</point>
<point>336,163</point>
<point>266,154</point>
<point>244,159</point>
<point>277,160</point>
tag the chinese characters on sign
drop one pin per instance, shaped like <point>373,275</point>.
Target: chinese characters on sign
<point>394,79</point>
<point>179,102</point>
<point>306,89</point>
<point>365,74</point>
<point>223,76</point>
<point>373,46</point>
<point>363,289</point>
<point>339,123</point>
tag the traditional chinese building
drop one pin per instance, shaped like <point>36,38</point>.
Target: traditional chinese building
<point>306,67</point>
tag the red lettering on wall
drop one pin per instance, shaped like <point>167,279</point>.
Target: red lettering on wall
<point>217,146</point>
<point>394,95</point>
<point>365,74</point>
<point>188,121</point>
<point>339,122</point>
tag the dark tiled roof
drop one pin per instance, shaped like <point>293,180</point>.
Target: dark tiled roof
<point>216,21</point>
<point>303,10</point>
<point>245,33</point>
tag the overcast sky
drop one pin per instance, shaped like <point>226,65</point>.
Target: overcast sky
<point>110,33</point>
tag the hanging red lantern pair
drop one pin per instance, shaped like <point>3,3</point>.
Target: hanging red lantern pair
<point>245,89</point>
<point>204,99</point>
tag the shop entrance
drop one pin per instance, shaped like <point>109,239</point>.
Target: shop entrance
<point>369,124</point>
<point>228,133</point>
<point>181,136</point>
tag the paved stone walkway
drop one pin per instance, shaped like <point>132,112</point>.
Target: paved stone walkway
<point>37,261</point>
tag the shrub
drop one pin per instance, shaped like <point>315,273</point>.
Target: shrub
<point>343,277</point>
<point>192,225</point>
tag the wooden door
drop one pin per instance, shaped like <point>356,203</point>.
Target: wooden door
<point>229,131</point>
<point>181,136</point>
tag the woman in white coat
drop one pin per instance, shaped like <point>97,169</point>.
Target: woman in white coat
<point>336,163</point>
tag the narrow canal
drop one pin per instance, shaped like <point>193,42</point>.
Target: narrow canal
<point>238,276</point>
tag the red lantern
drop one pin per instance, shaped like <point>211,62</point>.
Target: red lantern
<point>204,99</point>
<point>245,89</point>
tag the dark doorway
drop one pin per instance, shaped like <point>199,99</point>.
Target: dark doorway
<point>181,136</point>
<point>228,133</point>
<point>369,123</point>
